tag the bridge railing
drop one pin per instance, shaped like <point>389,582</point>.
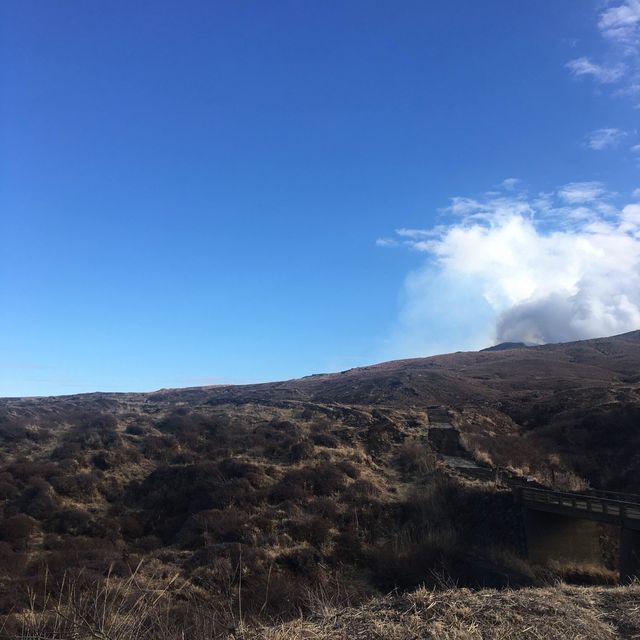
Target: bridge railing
<point>582,502</point>
<point>508,478</point>
<point>619,496</point>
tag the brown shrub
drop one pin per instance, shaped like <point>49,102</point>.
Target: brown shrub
<point>232,468</point>
<point>135,430</point>
<point>304,562</point>
<point>349,469</point>
<point>315,530</point>
<point>12,428</point>
<point>216,526</point>
<point>8,490</point>
<point>191,428</point>
<point>322,479</point>
<point>72,521</point>
<point>325,440</point>
<point>415,457</point>
<point>348,547</point>
<point>12,563</point>
<point>80,485</point>
<point>325,506</point>
<point>301,451</point>
<point>361,490</point>
<point>18,528</point>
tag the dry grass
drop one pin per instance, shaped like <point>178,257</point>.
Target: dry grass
<point>257,508</point>
<point>128,610</point>
<point>555,613</point>
<point>117,609</point>
<point>576,573</point>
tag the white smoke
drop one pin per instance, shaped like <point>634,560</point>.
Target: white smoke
<point>557,267</point>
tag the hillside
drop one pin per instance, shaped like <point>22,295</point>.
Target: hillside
<point>576,401</point>
<point>257,497</point>
<point>579,401</point>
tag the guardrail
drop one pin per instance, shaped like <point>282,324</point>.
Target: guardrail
<point>615,495</point>
<point>583,504</point>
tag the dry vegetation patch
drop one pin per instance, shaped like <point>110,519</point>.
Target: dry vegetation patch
<point>554,613</point>
<point>256,506</point>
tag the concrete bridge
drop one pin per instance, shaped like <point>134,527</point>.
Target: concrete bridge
<point>565,525</point>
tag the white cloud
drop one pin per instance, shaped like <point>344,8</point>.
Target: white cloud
<point>621,22</point>
<point>605,138</point>
<point>600,73</point>
<point>564,266</point>
<point>630,217</point>
<point>413,233</point>
<point>635,148</point>
<point>387,242</point>
<point>511,183</point>
<point>619,25</point>
<point>578,192</point>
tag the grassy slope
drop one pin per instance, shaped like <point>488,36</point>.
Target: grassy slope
<point>290,487</point>
<point>553,613</point>
<point>281,498</point>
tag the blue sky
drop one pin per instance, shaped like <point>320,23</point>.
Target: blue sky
<point>209,192</point>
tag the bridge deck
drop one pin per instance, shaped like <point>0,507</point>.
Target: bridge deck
<point>590,507</point>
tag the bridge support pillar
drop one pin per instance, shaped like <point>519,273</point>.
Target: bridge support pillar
<point>552,536</point>
<point>629,555</point>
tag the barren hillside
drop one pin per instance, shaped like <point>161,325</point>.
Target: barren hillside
<point>350,484</point>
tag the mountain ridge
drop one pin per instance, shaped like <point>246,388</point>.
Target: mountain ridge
<point>632,337</point>
<point>578,400</point>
